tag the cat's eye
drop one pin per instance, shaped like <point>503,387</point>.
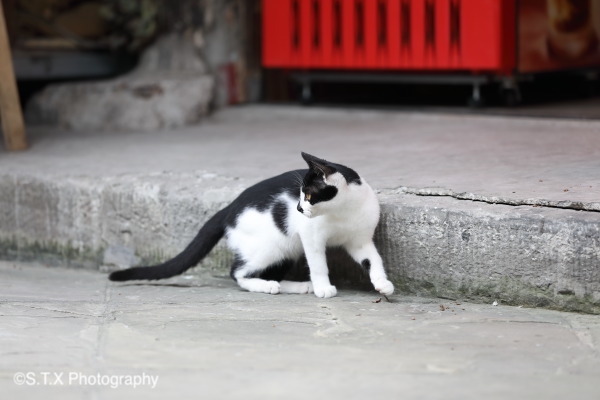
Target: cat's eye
<point>307,197</point>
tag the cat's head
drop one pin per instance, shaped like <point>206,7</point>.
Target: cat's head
<point>324,186</point>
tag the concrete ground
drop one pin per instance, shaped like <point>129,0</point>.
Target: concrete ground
<point>71,334</point>
<point>492,158</point>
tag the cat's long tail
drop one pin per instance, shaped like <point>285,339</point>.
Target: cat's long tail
<point>208,236</point>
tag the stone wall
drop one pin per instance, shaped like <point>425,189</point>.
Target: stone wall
<point>207,58</point>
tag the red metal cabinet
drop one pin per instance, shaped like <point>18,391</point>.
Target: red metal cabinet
<point>396,35</point>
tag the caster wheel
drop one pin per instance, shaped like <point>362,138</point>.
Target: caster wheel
<point>476,102</point>
<point>306,97</point>
<point>512,97</point>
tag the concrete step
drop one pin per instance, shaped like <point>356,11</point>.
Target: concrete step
<point>526,234</point>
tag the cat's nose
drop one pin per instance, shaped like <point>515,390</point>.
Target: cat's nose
<point>299,208</point>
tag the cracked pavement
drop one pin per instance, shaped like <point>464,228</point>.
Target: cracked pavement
<point>204,337</point>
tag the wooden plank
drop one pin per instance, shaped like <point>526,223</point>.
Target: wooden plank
<point>10,107</point>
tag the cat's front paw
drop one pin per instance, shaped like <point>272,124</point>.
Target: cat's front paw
<point>325,292</point>
<point>384,286</point>
<point>268,287</point>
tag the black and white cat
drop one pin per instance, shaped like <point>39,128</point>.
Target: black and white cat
<point>268,228</point>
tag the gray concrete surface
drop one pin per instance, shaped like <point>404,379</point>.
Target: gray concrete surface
<point>491,158</point>
<point>473,207</point>
<point>204,338</point>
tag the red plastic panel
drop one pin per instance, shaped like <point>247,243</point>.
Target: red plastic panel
<point>473,35</point>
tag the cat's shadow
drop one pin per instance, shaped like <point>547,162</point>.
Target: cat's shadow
<point>175,285</point>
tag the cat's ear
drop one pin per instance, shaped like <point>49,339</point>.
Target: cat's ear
<point>319,165</point>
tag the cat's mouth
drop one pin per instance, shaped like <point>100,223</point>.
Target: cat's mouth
<point>306,213</point>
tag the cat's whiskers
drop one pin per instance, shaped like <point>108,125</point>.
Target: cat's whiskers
<point>299,179</point>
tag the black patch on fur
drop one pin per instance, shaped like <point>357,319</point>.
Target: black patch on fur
<point>262,195</point>
<point>326,194</point>
<point>279,213</point>
<point>366,264</point>
<point>237,264</point>
<point>275,272</point>
<point>348,173</point>
<point>314,185</point>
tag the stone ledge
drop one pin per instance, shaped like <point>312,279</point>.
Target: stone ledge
<point>520,255</point>
<point>432,246</point>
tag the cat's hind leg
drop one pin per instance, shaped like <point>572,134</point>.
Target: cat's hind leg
<point>273,287</point>
<point>246,277</point>
<point>258,285</point>
<point>296,287</point>
<point>267,280</point>
<point>279,271</point>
